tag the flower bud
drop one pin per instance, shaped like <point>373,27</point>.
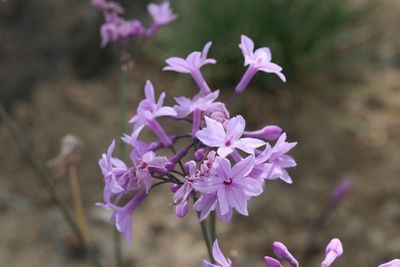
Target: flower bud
<point>181,209</point>
<point>271,262</point>
<point>199,154</point>
<point>269,133</point>
<point>333,250</point>
<point>174,187</point>
<point>281,251</point>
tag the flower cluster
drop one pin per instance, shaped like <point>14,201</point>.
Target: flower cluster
<point>220,165</point>
<point>333,250</point>
<point>115,28</point>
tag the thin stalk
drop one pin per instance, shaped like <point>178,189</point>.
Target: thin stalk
<point>77,201</point>
<point>122,153</point>
<point>213,233</point>
<point>206,238</point>
<point>45,180</point>
<point>206,235</point>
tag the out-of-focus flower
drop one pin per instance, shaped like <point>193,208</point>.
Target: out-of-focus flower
<point>161,14</point>
<point>219,257</point>
<point>258,60</point>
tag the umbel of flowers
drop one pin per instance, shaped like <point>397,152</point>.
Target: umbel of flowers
<point>116,28</point>
<point>225,165</point>
<point>221,166</point>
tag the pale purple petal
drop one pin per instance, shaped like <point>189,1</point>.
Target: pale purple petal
<point>222,201</point>
<point>213,135</point>
<point>218,256</point>
<point>246,45</point>
<point>238,200</point>
<point>235,127</point>
<point>243,168</point>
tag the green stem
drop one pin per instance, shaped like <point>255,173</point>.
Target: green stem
<point>213,233</point>
<point>122,127</point>
<point>45,180</point>
<point>206,239</point>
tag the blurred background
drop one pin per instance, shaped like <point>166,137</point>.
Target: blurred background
<point>341,103</point>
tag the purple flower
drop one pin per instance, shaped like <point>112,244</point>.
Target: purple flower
<point>107,7</point>
<point>109,33</point>
<point>150,163</point>
<point>333,250</point>
<point>192,64</point>
<point>281,251</point>
<point>280,161</point>
<point>117,176</point>
<point>123,215</point>
<point>215,135</point>
<point>219,258</point>
<point>149,110</point>
<point>182,194</point>
<point>392,263</point>
<point>198,105</point>
<point>161,14</point>
<point>199,102</point>
<point>232,185</point>
<point>259,60</point>
<point>117,28</point>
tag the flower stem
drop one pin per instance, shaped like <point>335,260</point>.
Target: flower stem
<point>122,127</point>
<point>49,186</point>
<point>206,238</point>
<point>77,201</point>
<point>213,233</point>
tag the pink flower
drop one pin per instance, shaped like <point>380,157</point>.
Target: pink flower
<point>259,60</point>
<point>149,110</point>
<point>123,215</point>
<point>215,135</point>
<point>161,14</point>
<point>280,161</point>
<point>192,64</point>
<point>182,194</point>
<point>232,185</point>
<point>198,105</point>
<point>219,258</point>
<point>117,176</point>
<point>150,163</point>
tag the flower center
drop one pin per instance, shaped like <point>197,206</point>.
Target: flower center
<point>228,143</point>
<point>228,181</point>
